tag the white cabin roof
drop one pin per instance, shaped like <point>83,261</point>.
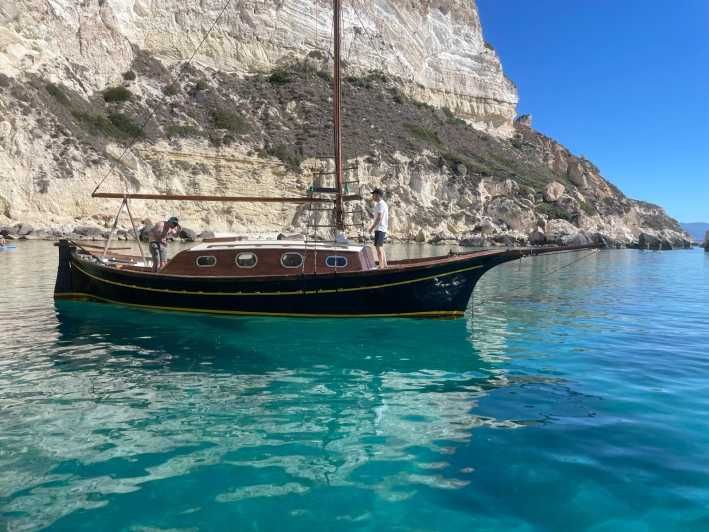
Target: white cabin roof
<point>253,245</point>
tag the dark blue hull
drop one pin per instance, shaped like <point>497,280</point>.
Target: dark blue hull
<point>441,288</point>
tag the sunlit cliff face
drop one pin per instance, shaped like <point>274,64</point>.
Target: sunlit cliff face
<point>428,114</point>
<point>436,49</point>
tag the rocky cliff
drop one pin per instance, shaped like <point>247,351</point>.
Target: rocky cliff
<point>429,115</point>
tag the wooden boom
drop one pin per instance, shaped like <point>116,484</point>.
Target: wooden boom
<point>254,199</point>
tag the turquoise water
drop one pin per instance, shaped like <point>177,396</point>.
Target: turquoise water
<point>571,399</point>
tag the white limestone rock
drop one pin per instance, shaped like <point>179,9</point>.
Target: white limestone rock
<point>554,191</point>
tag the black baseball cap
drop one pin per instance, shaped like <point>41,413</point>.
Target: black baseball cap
<point>173,220</point>
<point>378,191</point>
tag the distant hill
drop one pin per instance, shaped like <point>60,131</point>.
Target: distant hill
<point>696,229</point>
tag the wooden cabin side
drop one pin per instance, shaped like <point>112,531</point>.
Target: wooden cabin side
<point>246,262</point>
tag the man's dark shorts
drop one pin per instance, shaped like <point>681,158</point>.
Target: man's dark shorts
<point>159,252</point>
<point>379,237</point>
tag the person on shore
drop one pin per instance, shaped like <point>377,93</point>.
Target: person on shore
<point>380,226</point>
<point>3,242</point>
<point>157,237</point>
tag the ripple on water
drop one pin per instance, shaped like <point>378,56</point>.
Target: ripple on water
<point>573,397</point>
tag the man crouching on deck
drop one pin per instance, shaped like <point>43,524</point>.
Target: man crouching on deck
<point>380,225</point>
<point>157,237</point>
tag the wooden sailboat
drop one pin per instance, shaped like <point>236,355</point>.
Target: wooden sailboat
<point>281,278</point>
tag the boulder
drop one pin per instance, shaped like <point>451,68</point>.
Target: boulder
<point>421,237</point>
<point>648,241</point>
<point>537,237</point>
<point>188,234</point>
<point>5,230</point>
<point>89,231</point>
<point>506,240</point>
<point>579,239</point>
<point>553,191</point>
<point>21,229</point>
<point>577,173</point>
<point>511,213</point>
<point>473,241</point>
<point>559,231</point>
<point>144,232</point>
<point>39,234</point>
<point>460,169</point>
<point>206,234</point>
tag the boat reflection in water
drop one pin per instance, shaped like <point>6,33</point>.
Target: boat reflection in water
<point>293,405</point>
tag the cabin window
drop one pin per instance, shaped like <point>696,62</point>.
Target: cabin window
<point>336,261</point>
<point>246,260</point>
<point>206,261</point>
<point>291,260</point>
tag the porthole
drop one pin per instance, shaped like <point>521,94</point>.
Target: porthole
<point>336,261</point>
<point>291,260</point>
<point>246,260</point>
<point>206,261</point>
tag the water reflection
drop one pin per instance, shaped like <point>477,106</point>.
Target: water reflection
<point>129,398</point>
<point>107,404</point>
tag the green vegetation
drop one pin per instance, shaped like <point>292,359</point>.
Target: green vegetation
<point>57,93</point>
<point>324,75</point>
<point>424,134</point>
<point>182,131</point>
<point>452,159</point>
<point>172,89</point>
<point>452,118</point>
<point>201,85</point>
<point>554,212</point>
<point>116,125</point>
<point>96,123</point>
<point>290,158</point>
<point>279,77</point>
<point>116,94</point>
<point>358,82</point>
<point>588,208</point>
<point>125,125</point>
<point>234,122</point>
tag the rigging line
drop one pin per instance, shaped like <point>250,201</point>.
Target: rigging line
<point>164,97</point>
<point>555,270</point>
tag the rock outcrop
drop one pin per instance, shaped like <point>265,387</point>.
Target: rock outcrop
<point>429,116</point>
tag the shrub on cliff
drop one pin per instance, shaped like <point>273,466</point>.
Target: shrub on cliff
<point>279,77</point>
<point>290,158</point>
<point>424,134</point>
<point>234,122</point>
<point>555,212</point>
<point>125,125</point>
<point>57,93</point>
<point>114,125</point>
<point>116,94</point>
<point>182,131</point>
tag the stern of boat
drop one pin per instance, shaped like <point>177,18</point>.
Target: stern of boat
<point>64,287</point>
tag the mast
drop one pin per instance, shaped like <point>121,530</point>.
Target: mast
<point>337,117</point>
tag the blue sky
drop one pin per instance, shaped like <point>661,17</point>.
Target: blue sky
<point>623,82</point>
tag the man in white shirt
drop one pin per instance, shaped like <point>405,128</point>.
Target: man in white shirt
<point>380,225</point>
